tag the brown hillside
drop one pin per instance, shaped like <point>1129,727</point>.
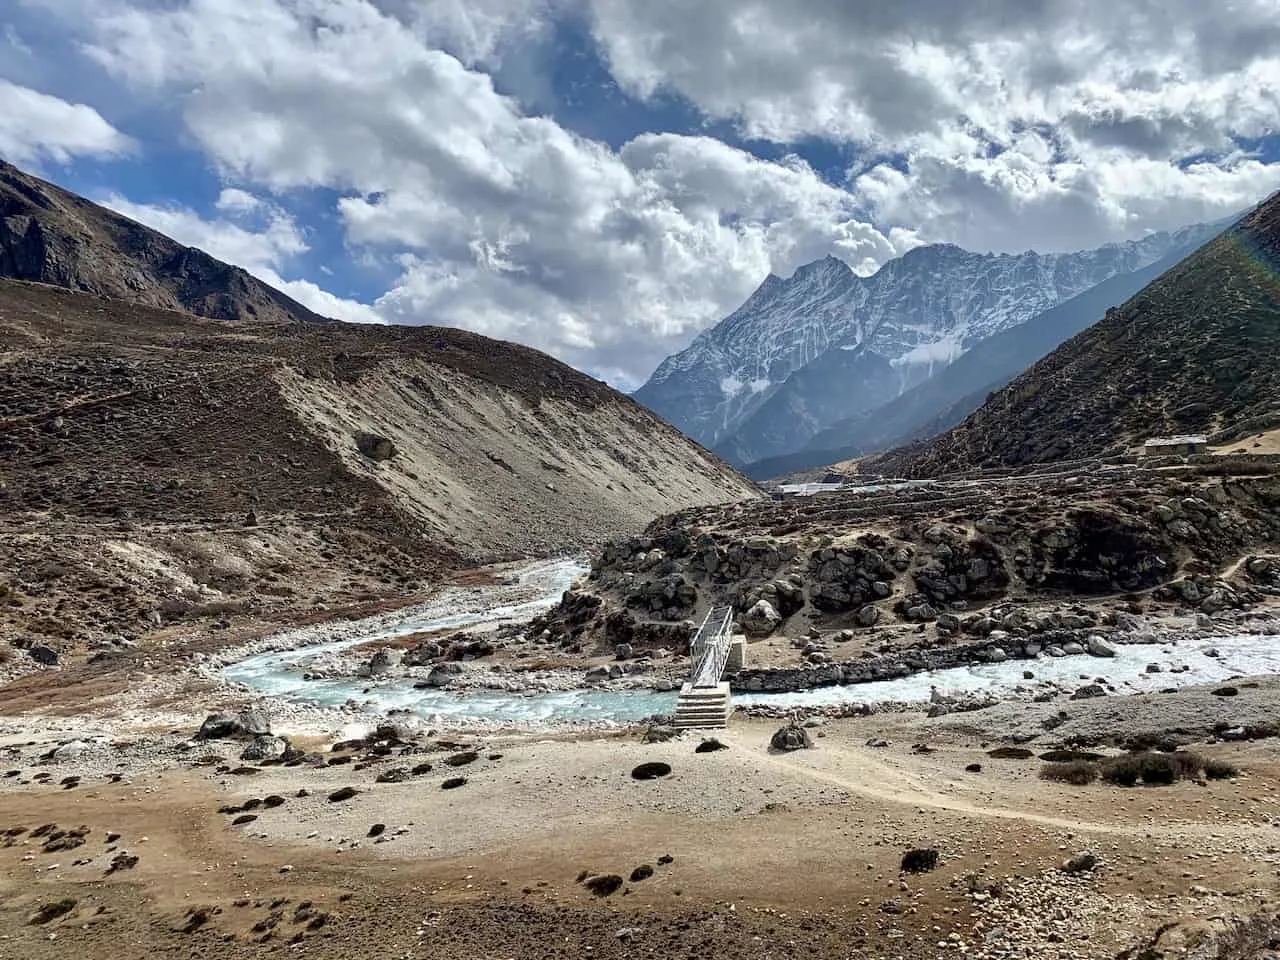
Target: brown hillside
<point>1197,351</point>
<point>49,235</point>
<point>155,465</point>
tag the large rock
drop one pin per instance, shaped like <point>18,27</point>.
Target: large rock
<point>375,447</point>
<point>229,726</point>
<point>385,661</point>
<point>73,750</point>
<point>265,747</point>
<point>762,619</point>
<point>44,655</point>
<point>1099,647</point>
<point>791,737</point>
<point>869,615</point>
<point>445,674</point>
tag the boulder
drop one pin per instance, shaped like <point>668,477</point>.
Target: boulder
<point>791,737</point>
<point>660,733</point>
<point>70,751</point>
<point>385,661</point>
<point>710,745</point>
<point>396,732</point>
<point>375,447</point>
<point>265,747</point>
<point>1099,647</point>
<point>762,619</point>
<point>603,884</point>
<point>1083,862</point>
<point>229,726</point>
<point>653,770</point>
<point>43,655</point>
<point>1089,692</point>
<point>444,674</point>
<point>919,861</point>
<point>624,651</point>
<point>868,616</point>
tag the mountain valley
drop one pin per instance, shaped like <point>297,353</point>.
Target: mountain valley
<point>358,642</point>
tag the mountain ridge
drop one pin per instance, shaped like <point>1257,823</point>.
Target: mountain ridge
<point>959,388</point>
<point>1195,351</point>
<point>51,235</point>
<point>918,311</point>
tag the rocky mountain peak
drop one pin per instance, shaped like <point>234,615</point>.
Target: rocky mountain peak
<point>914,316</point>
<point>48,235</point>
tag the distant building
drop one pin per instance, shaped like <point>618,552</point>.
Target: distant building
<point>1176,446</point>
<point>789,490</point>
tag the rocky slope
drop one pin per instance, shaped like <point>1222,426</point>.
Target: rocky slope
<point>49,235</point>
<point>156,467</point>
<point>958,389</point>
<point>918,313</point>
<point>1197,351</point>
<point>957,569</point>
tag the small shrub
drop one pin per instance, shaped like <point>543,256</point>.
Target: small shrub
<point>1187,765</point>
<point>1219,770</point>
<point>919,861</point>
<point>1122,771</point>
<point>1150,741</point>
<point>1010,753</point>
<point>1069,756</point>
<point>1153,769</point>
<point>1080,773</point>
<point>1159,769</point>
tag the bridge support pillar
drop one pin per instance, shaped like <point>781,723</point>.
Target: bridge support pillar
<point>737,654</point>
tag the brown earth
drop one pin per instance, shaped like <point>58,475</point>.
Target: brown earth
<point>159,469</point>
<point>773,855</point>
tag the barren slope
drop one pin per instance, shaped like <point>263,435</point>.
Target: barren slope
<point>50,235</point>
<point>1197,351</point>
<point>156,466</point>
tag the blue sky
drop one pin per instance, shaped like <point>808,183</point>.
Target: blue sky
<point>604,179</point>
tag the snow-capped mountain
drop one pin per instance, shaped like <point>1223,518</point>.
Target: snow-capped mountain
<point>917,314</point>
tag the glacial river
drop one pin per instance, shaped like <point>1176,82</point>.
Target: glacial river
<point>279,673</point>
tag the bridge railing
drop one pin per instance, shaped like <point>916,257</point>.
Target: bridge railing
<point>709,667</point>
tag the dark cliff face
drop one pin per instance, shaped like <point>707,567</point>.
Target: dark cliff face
<point>48,235</point>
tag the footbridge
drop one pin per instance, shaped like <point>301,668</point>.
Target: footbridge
<point>704,699</point>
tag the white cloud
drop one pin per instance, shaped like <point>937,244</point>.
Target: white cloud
<point>502,222</point>
<point>262,242</point>
<point>998,124</point>
<point>1002,124</point>
<point>35,127</point>
<point>264,247</point>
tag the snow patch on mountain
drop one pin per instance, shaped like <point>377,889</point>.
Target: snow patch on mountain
<point>919,312</point>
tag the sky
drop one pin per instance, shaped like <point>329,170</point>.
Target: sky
<point>603,179</point>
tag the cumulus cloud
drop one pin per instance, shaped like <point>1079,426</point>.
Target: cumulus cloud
<point>35,127</point>
<point>502,222</point>
<point>1000,124</point>
<point>253,234</point>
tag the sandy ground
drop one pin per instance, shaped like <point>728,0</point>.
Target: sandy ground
<point>773,855</point>
<point>1268,442</point>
